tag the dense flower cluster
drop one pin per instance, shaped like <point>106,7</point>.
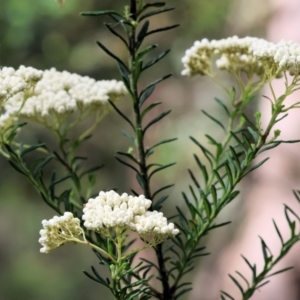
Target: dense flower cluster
<point>13,81</point>
<point>153,227</point>
<point>58,94</point>
<point>249,55</point>
<point>110,209</point>
<point>281,57</point>
<point>58,231</point>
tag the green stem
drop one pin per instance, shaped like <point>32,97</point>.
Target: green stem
<point>140,145</point>
<point>276,110</point>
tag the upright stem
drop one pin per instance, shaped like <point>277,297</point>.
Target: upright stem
<point>166,294</point>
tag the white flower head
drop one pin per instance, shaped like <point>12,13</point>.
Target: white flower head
<point>59,94</point>
<point>18,84</point>
<point>153,227</point>
<point>232,54</point>
<point>59,231</point>
<point>250,55</point>
<point>110,209</point>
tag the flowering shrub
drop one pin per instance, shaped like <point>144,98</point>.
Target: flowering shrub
<point>61,100</point>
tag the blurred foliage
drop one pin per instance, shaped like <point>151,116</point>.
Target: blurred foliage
<point>40,34</point>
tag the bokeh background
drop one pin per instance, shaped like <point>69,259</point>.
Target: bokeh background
<point>38,33</point>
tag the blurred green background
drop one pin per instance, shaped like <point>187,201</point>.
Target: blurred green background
<point>38,33</point>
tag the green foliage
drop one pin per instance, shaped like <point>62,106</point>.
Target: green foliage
<point>221,166</point>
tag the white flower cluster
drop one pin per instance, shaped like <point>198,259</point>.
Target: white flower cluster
<point>110,209</point>
<point>281,57</point>
<point>155,226</point>
<point>14,81</point>
<point>233,54</point>
<point>249,55</point>
<point>58,94</point>
<point>58,231</point>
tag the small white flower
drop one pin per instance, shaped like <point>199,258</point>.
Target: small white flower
<point>110,209</point>
<point>153,227</point>
<point>58,231</point>
<point>57,95</point>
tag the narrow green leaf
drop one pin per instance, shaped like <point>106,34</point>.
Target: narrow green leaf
<point>134,192</point>
<point>126,164</point>
<point>278,232</point>
<point>155,120</point>
<point>162,189</point>
<point>238,141</point>
<point>206,152</point>
<point>207,207</point>
<point>214,120</point>
<point>223,105</point>
<point>261,285</point>
<point>237,283</point>
<point>202,168</point>
<point>281,118</point>
<point>160,169</point>
<point>265,251</point>
<point>155,83</point>
<point>125,75</point>
<point>243,277</point>
<point>128,135</point>
<point>214,195</point>
<point>236,158</point>
<point>159,202</point>
<point>155,60</point>
<point>252,267</point>
<point>163,142</point>
<point>184,291</point>
<point>229,175</point>
<point>297,194</point>
<point>254,134</point>
<point>280,271</point>
<point>255,167</point>
<point>112,55</point>
<point>150,107</point>
<point>227,295</point>
<point>194,179</point>
<point>93,278</point>
<point>91,170</point>
<point>155,12</point>
<point>128,155</point>
<point>253,126</point>
<point>101,13</point>
<point>214,226</point>
<point>42,164</point>
<point>161,29</point>
<point>55,182</point>
<point>31,148</point>
<point>140,180</point>
<point>145,51</point>
<point>117,34</point>
<point>146,94</point>
<point>219,178</point>
<point>142,33</point>
<point>121,114</point>
<point>155,4</point>
<point>16,167</point>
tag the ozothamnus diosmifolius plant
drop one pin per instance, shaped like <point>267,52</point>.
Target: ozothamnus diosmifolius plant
<point>103,221</point>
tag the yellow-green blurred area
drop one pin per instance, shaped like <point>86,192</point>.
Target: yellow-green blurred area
<point>40,34</point>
